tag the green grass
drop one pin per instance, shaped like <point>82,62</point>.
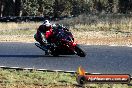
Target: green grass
<point>11,78</point>
<point>36,78</point>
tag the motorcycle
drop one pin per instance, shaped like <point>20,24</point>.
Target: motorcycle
<point>61,42</point>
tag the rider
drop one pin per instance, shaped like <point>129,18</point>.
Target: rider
<point>46,26</point>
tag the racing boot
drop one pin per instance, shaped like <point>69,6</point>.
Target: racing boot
<point>45,48</point>
<point>47,52</point>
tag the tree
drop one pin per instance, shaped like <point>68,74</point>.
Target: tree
<point>59,8</point>
<point>62,8</point>
<point>45,7</point>
<point>8,9</point>
<point>30,7</point>
<point>18,7</point>
<point>115,6</point>
<point>110,6</point>
<point>123,6</point>
<point>1,7</point>
<point>78,7</point>
<point>99,6</point>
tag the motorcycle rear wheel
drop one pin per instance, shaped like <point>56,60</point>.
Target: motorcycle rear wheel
<point>55,53</point>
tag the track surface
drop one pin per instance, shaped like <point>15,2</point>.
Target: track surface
<point>99,59</point>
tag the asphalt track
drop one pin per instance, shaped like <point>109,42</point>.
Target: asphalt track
<point>99,59</point>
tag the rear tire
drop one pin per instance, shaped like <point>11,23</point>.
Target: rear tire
<point>55,53</point>
<point>79,51</point>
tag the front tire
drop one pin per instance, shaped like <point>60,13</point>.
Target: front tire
<point>79,51</point>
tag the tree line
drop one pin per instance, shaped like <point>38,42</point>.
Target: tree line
<point>63,8</point>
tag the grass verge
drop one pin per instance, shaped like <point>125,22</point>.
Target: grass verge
<point>11,78</point>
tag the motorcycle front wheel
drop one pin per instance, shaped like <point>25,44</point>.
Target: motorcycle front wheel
<point>79,51</point>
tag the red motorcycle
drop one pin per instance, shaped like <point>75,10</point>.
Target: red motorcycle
<point>61,42</point>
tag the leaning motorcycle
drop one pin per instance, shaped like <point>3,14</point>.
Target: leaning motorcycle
<point>61,42</point>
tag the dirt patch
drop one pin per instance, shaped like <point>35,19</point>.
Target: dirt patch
<point>103,38</point>
<point>126,41</point>
<point>88,38</point>
<point>17,38</point>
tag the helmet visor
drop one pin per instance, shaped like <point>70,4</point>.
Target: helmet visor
<point>48,27</point>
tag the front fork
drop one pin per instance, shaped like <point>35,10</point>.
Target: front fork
<point>74,44</point>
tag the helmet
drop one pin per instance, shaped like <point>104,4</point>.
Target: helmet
<point>47,24</point>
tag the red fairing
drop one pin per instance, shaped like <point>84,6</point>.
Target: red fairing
<point>49,33</point>
<point>74,43</point>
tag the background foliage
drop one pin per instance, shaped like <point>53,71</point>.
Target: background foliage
<point>60,8</point>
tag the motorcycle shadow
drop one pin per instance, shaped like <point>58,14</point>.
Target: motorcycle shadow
<point>32,56</point>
